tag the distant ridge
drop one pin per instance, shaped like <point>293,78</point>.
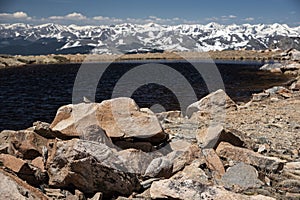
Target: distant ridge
<point>25,39</point>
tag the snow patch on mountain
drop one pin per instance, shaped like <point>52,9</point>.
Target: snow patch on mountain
<point>123,38</point>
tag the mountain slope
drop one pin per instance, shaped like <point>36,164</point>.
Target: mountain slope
<point>27,39</point>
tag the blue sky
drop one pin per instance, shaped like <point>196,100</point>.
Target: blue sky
<point>97,12</point>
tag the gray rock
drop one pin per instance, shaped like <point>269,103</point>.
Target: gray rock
<point>213,103</point>
<point>188,189</point>
<point>181,158</point>
<point>242,175</point>
<point>228,151</point>
<point>91,167</point>
<point>211,137</point>
<point>260,96</point>
<point>271,66</point>
<point>14,188</point>
<point>159,167</point>
<point>295,85</point>
<point>275,90</point>
<point>97,134</point>
<point>271,92</point>
<point>174,189</point>
<point>214,163</point>
<point>136,161</point>
<point>295,55</point>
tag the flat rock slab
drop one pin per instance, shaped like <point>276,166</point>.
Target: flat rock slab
<point>190,190</point>
<point>242,175</point>
<point>211,136</point>
<point>119,118</point>
<point>214,103</point>
<point>229,151</point>
<point>91,167</point>
<point>71,119</point>
<point>292,166</point>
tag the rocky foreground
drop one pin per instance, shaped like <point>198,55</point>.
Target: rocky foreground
<point>116,150</point>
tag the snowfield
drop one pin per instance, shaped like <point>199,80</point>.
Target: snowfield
<point>123,38</point>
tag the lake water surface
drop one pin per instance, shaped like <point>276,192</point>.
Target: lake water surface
<point>32,93</point>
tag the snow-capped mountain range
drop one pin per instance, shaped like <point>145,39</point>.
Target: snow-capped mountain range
<point>25,39</point>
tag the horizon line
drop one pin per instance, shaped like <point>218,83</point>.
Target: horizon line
<point>147,23</point>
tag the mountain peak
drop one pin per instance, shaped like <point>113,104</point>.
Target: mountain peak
<point>55,38</point>
<point>213,25</point>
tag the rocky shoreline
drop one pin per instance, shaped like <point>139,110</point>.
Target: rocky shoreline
<point>266,55</point>
<point>116,150</point>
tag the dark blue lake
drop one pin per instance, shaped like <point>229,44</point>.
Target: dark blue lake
<point>32,93</point>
